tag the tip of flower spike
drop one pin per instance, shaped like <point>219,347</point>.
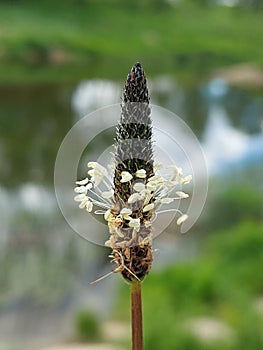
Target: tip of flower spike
<point>136,86</point>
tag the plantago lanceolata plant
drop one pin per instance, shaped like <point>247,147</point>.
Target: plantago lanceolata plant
<point>131,203</point>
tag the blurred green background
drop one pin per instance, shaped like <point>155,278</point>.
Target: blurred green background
<point>60,60</point>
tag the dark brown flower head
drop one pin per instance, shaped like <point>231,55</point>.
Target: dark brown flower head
<point>136,86</point>
<point>133,132</point>
<point>133,156</point>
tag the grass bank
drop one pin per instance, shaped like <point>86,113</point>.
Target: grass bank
<point>46,40</point>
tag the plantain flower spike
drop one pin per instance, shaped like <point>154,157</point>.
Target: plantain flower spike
<point>131,203</point>
<point>134,156</point>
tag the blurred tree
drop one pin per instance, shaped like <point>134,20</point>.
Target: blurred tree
<point>232,205</point>
<point>87,326</point>
<point>254,4</point>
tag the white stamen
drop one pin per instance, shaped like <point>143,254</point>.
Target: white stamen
<point>186,180</point>
<point>177,172</point>
<point>171,183</point>
<point>151,186</point>
<point>98,167</point>
<point>182,219</point>
<point>108,215</point>
<point>100,204</point>
<point>83,203</point>
<point>154,178</point>
<point>148,207</point>
<point>80,189</point>
<point>158,165</point>
<point>96,176</point>
<point>139,187</point>
<point>125,176</point>
<point>134,198</point>
<point>107,194</point>
<point>80,197</point>
<point>166,200</point>
<point>148,197</point>
<point>125,213</point>
<point>182,194</point>
<point>168,211</point>
<point>135,223</point>
<point>89,206</point>
<point>100,212</point>
<point>141,174</point>
<point>82,182</point>
<point>89,186</point>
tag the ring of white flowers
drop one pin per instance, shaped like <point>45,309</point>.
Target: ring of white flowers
<point>179,136</point>
<point>156,188</point>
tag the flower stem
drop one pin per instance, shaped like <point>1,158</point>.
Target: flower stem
<point>136,315</point>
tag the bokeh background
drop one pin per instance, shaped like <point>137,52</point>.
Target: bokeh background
<point>204,62</point>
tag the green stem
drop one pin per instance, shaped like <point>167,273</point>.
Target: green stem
<point>136,316</point>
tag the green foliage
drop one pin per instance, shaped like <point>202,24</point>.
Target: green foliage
<point>87,37</point>
<point>87,326</point>
<point>233,204</point>
<point>172,339</point>
<point>252,4</point>
<point>239,253</point>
